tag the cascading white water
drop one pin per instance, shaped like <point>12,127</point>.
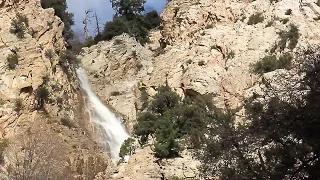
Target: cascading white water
<point>104,118</point>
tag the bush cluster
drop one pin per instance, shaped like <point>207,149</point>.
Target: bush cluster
<point>290,37</point>
<point>12,61</point>
<point>255,19</point>
<point>137,26</point>
<point>19,25</point>
<point>271,63</point>
<point>127,148</point>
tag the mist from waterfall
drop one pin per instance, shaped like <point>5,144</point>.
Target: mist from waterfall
<point>105,119</point>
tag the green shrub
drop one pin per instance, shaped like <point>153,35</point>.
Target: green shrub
<point>201,63</point>
<point>127,148</point>
<point>19,25</point>
<point>18,105</point>
<point>270,23</point>
<point>271,1</point>
<point>41,95</point>
<point>255,19</point>
<point>115,93</point>
<point>49,54</point>
<point>284,21</point>
<point>289,38</point>
<point>2,102</point>
<point>12,61</point>
<point>230,55</point>
<point>285,61</point>
<point>271,63</point>
<point>3,145</point>
<point>67,123</point>
<point>288,12</point>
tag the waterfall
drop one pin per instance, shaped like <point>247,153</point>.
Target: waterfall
<point>109,123</point>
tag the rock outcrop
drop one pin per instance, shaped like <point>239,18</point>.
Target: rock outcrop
<point>203,46</point>
<point>38,84</point>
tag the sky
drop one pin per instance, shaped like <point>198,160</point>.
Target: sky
<point>103,10</point>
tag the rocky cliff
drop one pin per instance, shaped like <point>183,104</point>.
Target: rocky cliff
<point>39,92</point>
<point>201,47</point>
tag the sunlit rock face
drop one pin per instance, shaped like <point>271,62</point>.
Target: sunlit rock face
<point>208,48</point>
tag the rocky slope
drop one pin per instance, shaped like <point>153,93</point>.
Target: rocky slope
<point>40,91</point>
<point>202,47</point>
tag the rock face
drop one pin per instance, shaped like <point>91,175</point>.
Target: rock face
<point>41,85</point>
<point>208,48</point>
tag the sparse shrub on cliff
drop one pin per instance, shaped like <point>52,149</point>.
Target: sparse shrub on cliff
<point>201,63</point>
<point>3,145</point>
<point>288,12</point>
<point>12,61</point>
<point>230,55</point>
<point>271,63</point>
<point>67,123</point>
<point>270,23</point>
<point>18,105</point>
<point>271,1</point>
<point>2,102</point>
<point>255,19</point>
<point>291,36</point>
<point>41,95</point>
<point>19,25</point>
<point>127,148</point>
<point>115,93</point>
<point>49,54</point>
<point>284,21</point>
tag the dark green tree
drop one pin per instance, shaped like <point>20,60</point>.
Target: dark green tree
<point>127,8</point>
<point>171,121</point>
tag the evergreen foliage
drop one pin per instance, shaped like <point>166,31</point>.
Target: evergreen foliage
<point>127,148</point>
<point>12,61</point>
<point>137,26</point>
<point>171,120</point>
<point>127,8</point>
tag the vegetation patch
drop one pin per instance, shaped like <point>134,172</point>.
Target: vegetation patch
<point>2,102</point>
<point>255,19</point>
<point>271,63</point>
<point>3,145</point>
<point>19,25</point>
<point>127,148</point>
<point>18,105</point>
<point>171,121</point>
<point>67,123</point>
<point>12,61</point>
<point>49,54</point>
<point>288,12</point>
<point>284,21</point>
<point>270,23</point>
